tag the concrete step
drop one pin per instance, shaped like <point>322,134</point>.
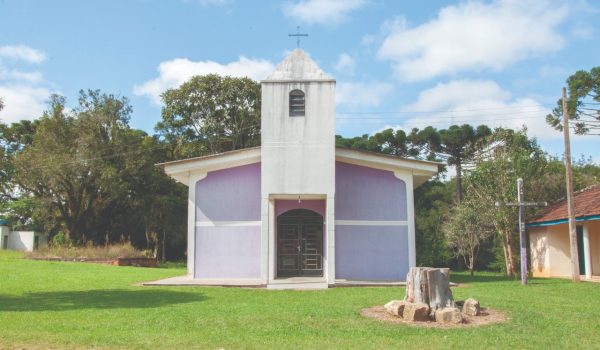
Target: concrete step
<point>297,284</point>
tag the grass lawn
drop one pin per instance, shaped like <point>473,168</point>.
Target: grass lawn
<point>81,305</point>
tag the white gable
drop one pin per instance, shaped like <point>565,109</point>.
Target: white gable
<point>298,66</point>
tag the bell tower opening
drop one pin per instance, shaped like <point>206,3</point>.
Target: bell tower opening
<point>297,103</point>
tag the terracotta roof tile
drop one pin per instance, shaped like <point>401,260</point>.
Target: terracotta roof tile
<point>587,203</point>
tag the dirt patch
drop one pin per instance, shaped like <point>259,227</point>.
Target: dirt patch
<point>139,262</point>
<point>487,316</point>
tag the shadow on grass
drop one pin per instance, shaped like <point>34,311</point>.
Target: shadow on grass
<point>96,299</point>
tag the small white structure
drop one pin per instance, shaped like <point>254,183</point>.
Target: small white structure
<point>25,241</point>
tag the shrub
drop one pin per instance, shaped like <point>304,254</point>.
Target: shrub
<point>60,240</point>
<point>89,251</point>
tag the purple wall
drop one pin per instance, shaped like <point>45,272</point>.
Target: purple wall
<point>363,193</point>
<point>371,252</point>
<point>316,205</point>
<point>228,251</point>
<point>229,195</point>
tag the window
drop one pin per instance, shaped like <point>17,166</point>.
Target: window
<point>296,103</point>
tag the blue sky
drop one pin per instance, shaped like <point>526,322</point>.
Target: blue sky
<point>397,63</point>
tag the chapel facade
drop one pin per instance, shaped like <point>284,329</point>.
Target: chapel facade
<point>299,211</point>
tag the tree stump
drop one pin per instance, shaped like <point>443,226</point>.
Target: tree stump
<point>429,286</point>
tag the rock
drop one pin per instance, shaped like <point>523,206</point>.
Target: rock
<point>448,315</point>
<point>471,307</point>
<point>416,312</point>
<point>395,307</point>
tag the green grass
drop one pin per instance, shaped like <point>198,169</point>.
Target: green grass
<point>61,305</point>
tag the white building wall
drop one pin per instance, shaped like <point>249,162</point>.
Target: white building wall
<point>540,255</point>
<point>298,153</point>
<point>21,240</point>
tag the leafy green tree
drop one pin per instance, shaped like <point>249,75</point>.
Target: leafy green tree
<point>395,142</point>
<point>13,205</point>
<point>468,226</point>
<point>364,142</point>
<point>388,141</point>
<point>93,177</point>
<point>583,103</point>
<point>210,114</point>
<point>512,155</point>
<point>457,145</point>
<point>433,201</point>
<point>13,138</point>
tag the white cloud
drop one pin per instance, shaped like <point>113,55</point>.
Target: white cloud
<point>582,31</point>
<point>24,93</point>
<point>322,11</point>
<point>473,36</point>
<point>175,72</point>
<point>361,94</point>
<point>475,102</point>
<point>23,102</point>
<point>17,75</point>
<point>345,64</point>
<point>22,52</point>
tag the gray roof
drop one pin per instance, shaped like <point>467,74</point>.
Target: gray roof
<point>298,66</point>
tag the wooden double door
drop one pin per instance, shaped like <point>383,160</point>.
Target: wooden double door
<point>299,243</point>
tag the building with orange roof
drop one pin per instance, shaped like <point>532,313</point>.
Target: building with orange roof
<point>549,237</point>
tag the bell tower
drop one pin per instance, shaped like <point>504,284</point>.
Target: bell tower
<point>297,156</point>
<point>298,129</point>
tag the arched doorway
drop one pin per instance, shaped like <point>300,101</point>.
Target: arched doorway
<point>299,243</point>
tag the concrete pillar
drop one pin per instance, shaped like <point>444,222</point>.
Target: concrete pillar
<point>330,226</point>
<point>407,177</point>
<point>586,252</point>
<point>270,240</point>
<point>4,233</point>
<point>191,241</point>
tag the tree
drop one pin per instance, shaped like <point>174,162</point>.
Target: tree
<point>388,141</point>
<point>93,177</point>
<point>433,201</point>
<point>60,167</point>
<point>468,226</point>
<point>364,142</point>
<point>583,104</point>
<point>395,142</point>
<point>457,144</point>
<point>13,138</point>
<point>210,114</point>
<point>511,155</point>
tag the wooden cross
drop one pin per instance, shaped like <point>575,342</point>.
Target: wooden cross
<point>298,35</point>
<point>521,204</point>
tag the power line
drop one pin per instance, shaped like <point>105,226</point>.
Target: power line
<point>453,110</point>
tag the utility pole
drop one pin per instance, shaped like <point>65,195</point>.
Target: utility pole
<point>522,239</point>
<point>570,203</point>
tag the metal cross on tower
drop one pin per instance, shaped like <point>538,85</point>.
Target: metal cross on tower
<point>298,35</point>
<point>523,243</point>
